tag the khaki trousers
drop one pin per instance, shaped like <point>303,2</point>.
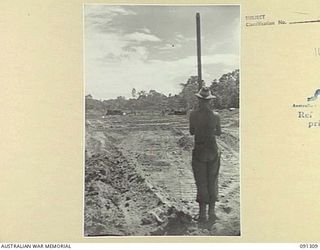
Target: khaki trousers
<point>206,177</point>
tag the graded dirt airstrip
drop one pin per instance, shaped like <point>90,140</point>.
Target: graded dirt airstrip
<point>139,181</point>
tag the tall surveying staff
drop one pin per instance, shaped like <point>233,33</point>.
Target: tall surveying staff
<point>205,125</point>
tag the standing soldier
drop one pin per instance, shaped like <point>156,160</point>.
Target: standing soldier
<point>205,125</point>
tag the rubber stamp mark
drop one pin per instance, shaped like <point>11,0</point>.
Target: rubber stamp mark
<point>315,96</point>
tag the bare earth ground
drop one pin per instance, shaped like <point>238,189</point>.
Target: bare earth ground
<point>139,181</point>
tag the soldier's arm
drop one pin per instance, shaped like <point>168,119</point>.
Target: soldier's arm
<point>218,126</point>
<point>191,123</point>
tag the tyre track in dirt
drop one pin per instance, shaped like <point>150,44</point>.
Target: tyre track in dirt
<point>112,193</point>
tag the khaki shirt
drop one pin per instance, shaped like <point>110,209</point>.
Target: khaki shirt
<point>205,125</point>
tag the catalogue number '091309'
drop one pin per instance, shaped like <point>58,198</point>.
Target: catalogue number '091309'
<point>314,246</point>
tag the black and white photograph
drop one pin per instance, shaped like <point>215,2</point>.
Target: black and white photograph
<point>162,115</point>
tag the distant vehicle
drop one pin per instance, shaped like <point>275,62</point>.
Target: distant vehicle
<point>114,112</point>
<point>177,112</point>
<point>180,112</point>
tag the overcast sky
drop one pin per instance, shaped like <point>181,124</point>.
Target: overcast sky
<point>154,47</point>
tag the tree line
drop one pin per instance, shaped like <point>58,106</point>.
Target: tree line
<point>226,90</point>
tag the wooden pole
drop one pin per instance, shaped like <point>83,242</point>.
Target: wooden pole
<point>199,51</point>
